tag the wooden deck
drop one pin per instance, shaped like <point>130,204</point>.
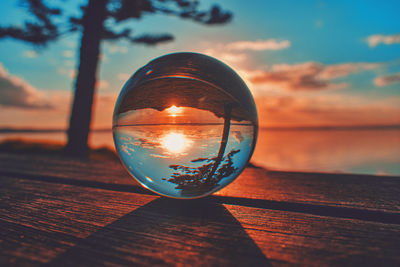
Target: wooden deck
<point>58,211</point>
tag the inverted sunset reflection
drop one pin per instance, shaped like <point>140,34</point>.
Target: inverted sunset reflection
<point>173,114</point>
<point>180,152</point>
<point>174,110</point>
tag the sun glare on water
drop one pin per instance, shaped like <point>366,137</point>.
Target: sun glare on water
<point>175,142</point>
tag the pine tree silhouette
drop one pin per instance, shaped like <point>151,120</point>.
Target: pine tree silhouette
<point>98,22</point>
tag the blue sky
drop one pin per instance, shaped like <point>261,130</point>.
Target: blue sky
<point>307,63</point>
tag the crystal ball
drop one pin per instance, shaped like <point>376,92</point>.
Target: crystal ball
<point>185,125</point>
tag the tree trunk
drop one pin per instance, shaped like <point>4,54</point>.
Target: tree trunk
<point>81,112</point>
<point>224,140</point>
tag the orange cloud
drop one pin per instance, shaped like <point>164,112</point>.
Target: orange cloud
<point>308,76</point>
<point>39,118</point>
<point>343,70</point>
<point>102,84</point>
<point>387,80</point>
<point>59,115</point>
<point>16,92</point>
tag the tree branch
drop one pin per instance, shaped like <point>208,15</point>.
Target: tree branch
<point>188,9</point>
<point>152,39</point>
<point>126,9</point>
<point>40,32</point>
<point>111,35</point>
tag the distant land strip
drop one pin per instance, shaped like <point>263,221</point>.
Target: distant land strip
<point>269,128</point>
<point>332,127</point>
<point>33,130</point>
<point>180,124</point>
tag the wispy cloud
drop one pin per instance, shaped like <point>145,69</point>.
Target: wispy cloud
<point>30,54</point>
<point>102,84</point>
<point>70,44</point>
<point>387,80</point>
<point>69,63</point>
<point>341,70</point>
<point>319,24</point>
<point>68,72</point>
<point>16,92</point>
<point>117,49</point>
<point>68,53</point>
<point>259,45</point>
<point>124,76</point>
<point>231,58</point>
<point>236,53</point>
<point>308,76</point>
<point>376,39</point>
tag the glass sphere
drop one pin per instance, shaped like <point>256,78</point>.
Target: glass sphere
<point>185,125</point>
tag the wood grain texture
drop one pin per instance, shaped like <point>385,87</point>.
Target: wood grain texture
<point>55,211</point>
<point>342,190</point>
<point>68,225</point>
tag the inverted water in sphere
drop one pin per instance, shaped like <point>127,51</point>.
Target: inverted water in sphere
<point>185,125</point>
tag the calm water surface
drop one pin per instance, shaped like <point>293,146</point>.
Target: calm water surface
<point>183,160</point>
<point>349,151</point>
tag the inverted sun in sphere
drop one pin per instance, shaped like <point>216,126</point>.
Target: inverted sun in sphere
<point>174,110</point>
<point>185,125</point>
<point>174,142</point>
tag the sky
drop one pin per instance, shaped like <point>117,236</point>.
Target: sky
<point>307,63</point>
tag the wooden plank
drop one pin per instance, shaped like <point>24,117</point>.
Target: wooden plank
<point>40,220</point>
<point>340,190</point>
<point>44,222</point>
<point>307,240</point>
<point>55,165</point>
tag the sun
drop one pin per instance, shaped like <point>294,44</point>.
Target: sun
<point>174,110</point>
<point>175,142</point>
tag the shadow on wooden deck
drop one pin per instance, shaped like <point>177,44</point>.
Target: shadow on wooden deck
<point>204,233</point>
<point>314,209</point>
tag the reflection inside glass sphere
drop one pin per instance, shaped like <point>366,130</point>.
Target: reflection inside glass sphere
<point>175,142</point>
<point>187,128</point>
<point>174,110</point>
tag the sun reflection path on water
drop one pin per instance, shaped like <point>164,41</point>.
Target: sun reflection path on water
<point>175,142</point>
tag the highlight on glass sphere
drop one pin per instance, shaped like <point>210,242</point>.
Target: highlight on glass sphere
<point>185,125</point>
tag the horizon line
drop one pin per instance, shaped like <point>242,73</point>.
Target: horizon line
<point>272,128</point>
